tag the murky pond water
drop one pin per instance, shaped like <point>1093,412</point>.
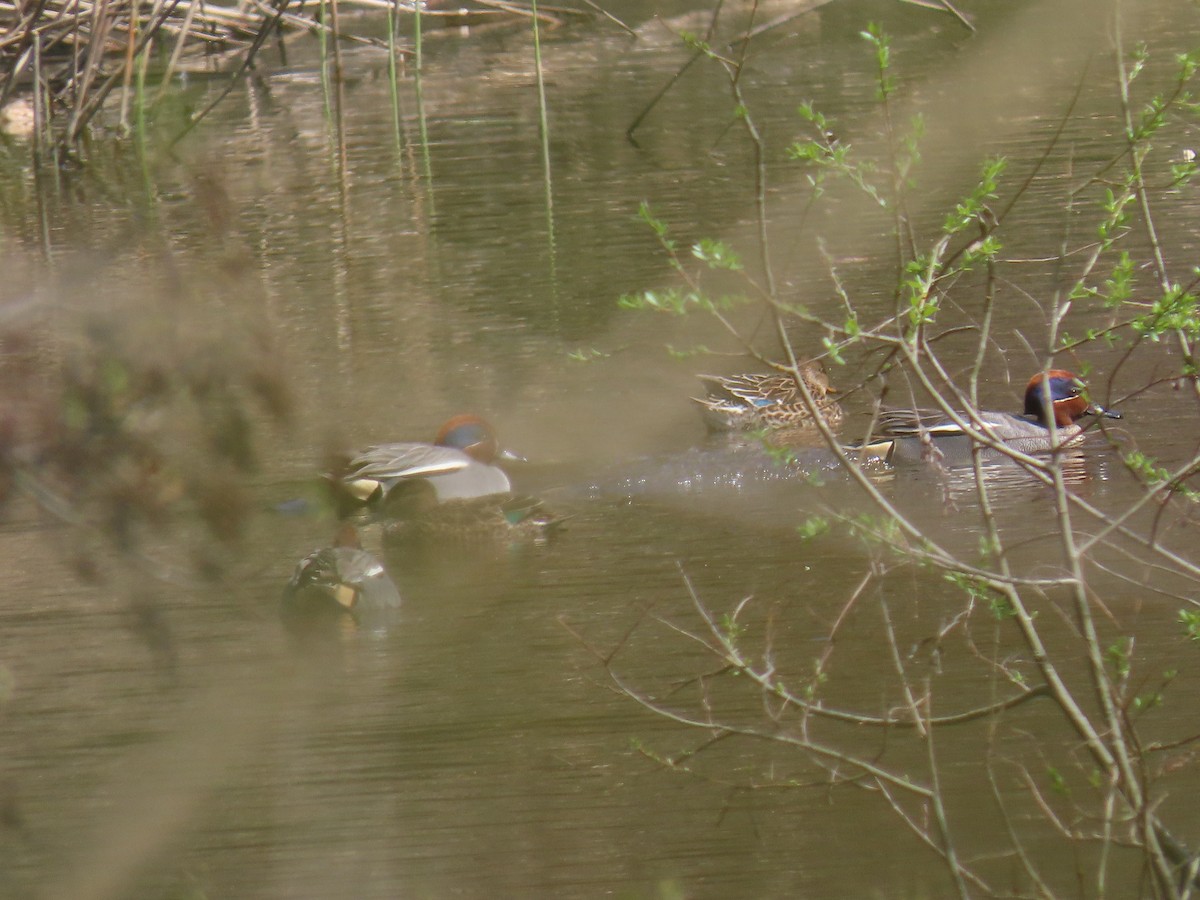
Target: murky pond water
<point>478,748</point>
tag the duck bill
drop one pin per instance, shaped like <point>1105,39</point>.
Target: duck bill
<point>509,456</point>
<point>1097,410</point>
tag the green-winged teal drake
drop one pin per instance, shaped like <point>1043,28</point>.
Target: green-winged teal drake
<point>458,465</point>
<point>450,488</point>
<point>902,433</point>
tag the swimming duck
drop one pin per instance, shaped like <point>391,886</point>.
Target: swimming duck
<point>402,477</point>
<point>338,582</point>
<point>747,402</point>
<point>902,431</point>
<point>450,488</point>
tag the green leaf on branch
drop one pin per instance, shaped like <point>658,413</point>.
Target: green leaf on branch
<point>717,254</point>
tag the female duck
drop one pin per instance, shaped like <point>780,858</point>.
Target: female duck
<point>903,431</point>
<point>748,402</point>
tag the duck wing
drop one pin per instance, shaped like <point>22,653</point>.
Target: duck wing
<point>911,422</point>
<point>755,391</point>
<point>389,463</point>
<point>451,473</point>
<point>901,422</point>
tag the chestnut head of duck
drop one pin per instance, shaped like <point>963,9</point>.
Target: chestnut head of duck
<point>1068,399</point>
<point>474,437</point>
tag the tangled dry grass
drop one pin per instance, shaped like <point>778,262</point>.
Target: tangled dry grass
<point>61,60</point>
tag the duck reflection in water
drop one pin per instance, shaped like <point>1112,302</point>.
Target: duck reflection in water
<point>340,587</point>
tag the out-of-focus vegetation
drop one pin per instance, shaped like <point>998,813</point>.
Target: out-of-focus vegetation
<point>137,428</point>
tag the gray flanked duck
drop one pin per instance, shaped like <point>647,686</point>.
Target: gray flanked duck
<point>901,433</point>
<point>451,488</point>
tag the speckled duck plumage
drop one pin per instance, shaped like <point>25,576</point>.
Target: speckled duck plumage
<point>767,401</point>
